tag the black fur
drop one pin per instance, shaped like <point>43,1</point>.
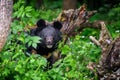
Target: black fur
<point>50,36</point>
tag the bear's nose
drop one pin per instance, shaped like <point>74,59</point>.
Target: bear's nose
<point>49,42</point>
<point>49,39</point>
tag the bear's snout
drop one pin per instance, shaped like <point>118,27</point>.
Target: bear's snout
<point>49,42</point>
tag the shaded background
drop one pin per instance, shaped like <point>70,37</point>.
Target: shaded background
<point>68,4</point>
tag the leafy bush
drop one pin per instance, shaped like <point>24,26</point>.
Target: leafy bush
<point>114,16</point>
<point>14,64</point>
<point>111,17</point>
<point>114,13</point>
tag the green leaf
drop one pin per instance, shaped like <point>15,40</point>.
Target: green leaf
<point>21,39</point>
<point>28,15</point>
<point>29,43</point>
<point>28,9</point>
<point>34,45</point>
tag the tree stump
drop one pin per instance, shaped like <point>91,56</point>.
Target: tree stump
<point>108,67</point>
<point>109,63</point>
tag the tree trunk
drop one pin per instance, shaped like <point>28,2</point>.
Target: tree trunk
<point>93,4</point>
<point>69,4</point>
<point>5,20</point>
<point>36,4</point>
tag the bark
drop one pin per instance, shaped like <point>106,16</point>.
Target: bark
<point>74,19</point>
<point>109,63</point>
<point>69,4</point>
<point>39,3</point>
<point>5,20</point>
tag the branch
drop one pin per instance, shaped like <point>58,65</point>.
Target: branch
<point>105,42</point>
<point>94,40</point>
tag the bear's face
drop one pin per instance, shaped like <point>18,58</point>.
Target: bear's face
<point>49,33</point>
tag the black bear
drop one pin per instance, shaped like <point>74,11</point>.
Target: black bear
<point>50,36</point>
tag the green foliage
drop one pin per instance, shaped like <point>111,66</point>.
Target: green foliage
<point>114,16</point>
<point>111,17</point>
<point>24,12</point>
<point>78,54</point>
<point>49,14</point>
<point>114,13</point>
<point>53,4</point>
<point>78,51</point>
<point>32,41</point>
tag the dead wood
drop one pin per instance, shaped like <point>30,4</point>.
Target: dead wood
<point>109,63</point>
<point>74,21</point>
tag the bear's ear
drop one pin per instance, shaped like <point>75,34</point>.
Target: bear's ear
<point>41,23</point>
<point>57,25</point>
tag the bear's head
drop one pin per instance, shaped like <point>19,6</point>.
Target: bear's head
<point>49,33</point>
